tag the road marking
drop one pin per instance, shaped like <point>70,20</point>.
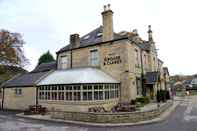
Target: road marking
<point>187,114</point>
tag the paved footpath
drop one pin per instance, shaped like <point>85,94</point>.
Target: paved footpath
<point>184,118</point>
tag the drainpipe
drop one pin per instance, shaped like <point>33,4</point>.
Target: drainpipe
<point>36,96</point>
<point>71,59</point>
<point>142,74</point>
<point>2,99</point>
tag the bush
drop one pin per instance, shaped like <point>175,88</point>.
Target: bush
<point>143,100</point>
<point>167,95</point>
<point>162,95</point>
<point>133,102</point>
<point>158,96</point>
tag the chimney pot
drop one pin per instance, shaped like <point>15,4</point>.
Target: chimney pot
<point>108,6</point>
<point>135,31</point>
<point>105,7</point>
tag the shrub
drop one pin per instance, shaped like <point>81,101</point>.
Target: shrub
<point>158,96</point>
<point>143,100</point>
<point>133,102</point>
<point>167,95</point>
<point>162,95</point>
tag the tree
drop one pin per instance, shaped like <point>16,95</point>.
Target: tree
<point>45,58</point>
<point>11,49</point>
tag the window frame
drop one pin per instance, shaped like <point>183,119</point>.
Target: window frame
<point>18,92</point>
<point>94,57</point>
<point>63,64</point>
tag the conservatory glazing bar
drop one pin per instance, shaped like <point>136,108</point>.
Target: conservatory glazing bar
<point>79,92</point>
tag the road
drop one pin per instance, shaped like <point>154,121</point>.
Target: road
<point>184,118</point>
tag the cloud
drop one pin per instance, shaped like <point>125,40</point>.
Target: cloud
<point>47,24</point>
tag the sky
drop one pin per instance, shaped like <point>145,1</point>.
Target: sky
<point>47,25</point>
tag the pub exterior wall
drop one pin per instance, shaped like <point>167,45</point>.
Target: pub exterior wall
<point>122,71</point>
<point>19,102</point>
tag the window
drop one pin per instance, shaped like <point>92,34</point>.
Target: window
<point>18,91</point>
<point>137,63</point>
<point>94,58</point>
<point>86,92</point>
<point>68,93</point>
<point>64,62</point>
<point>95,95</point>
<point>77,93</point>
<point>90,95</point>
<point>85,96</point>
<point>68,96</point>
<point>61,95</point>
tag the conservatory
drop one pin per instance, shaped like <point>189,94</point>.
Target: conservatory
<point>78,90</point>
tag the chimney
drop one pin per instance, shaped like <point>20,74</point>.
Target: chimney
<point>150,34</point>
<point>135,32</point>
<point>74,40</point>
<point>107,15</point>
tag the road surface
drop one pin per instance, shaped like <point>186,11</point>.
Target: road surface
<point>184,118</point>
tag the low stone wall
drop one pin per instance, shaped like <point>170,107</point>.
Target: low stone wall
<point>120,117</point>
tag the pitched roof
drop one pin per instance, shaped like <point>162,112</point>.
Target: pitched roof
<point>94,37</point>
<point>76,76</point>
<point>27,80</point>
<point>152,77</point>
<point>145,46</point>
<point>45,67</point>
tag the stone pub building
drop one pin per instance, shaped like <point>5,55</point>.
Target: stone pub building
<point>101,68</point>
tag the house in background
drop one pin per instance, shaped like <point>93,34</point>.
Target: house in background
<point>101,68</point>
<point>194,83</point>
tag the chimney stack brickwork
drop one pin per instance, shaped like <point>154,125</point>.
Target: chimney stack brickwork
<point>107,15</point>
<point>74,40</point>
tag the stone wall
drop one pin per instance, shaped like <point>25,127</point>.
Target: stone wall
<point>19,102</point>
<point>75,106</point>
<point>124,117</point>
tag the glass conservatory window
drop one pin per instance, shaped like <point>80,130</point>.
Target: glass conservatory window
<point>84,92</point>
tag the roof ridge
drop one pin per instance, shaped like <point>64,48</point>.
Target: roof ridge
<point>44,76</point>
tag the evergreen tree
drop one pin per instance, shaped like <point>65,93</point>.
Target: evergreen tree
<point>45,58</point>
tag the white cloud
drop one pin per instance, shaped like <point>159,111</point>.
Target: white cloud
<point>47,24</point>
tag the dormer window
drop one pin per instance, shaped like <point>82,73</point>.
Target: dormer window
<point>99,34</point>
<point>86,37</point>
<point>64,62</point>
